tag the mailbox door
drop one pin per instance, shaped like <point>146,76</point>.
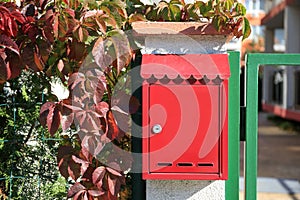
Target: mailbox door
<point>185,126</point>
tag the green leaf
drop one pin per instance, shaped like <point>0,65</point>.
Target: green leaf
<point>206,8</point>
<point>246,28</point>
<point>240,9</point>
<point>164,14</point>
<point>216,21</point>
<point>136,17</point>
<point>175,12</point>
<point>228,4</point>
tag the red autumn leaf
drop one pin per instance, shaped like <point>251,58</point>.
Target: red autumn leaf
<point>44,48</point>
<point>112,183</point>
<point>98,176</point>
<point>66,121</point>
<point>7,42</point>
<point>63,166</point>
<point>103,60</point>
<point>28,56</point>
<point>122,119</point>
<point>88,120</point>
<point>80,195</point>
<point>111,197</point>
<point>84,164</point>
<point>62,26</point>
<point>18,16</point>
<point>77,50</point>
<point>56,24</point>
<point>67,113</point>
<point>113,129</point>
<point>99,91</point>
<point>10,65</point>
<point>44,112</point>
<point>38,62</point>
<point>4,73</point>
<point>101,108</point>
<point>114,169</point>
<point>14,64</point>
<point>81,33</point>
<point>70,12</point>
<point>95,193</point>
<point>12,27</point>
<point>74,169</point>
<point>75,189</point>
<point>63,157</point>
<point>53,119</point>
<point>121,47</point>
<point>48,33</point>
<point>86,155</point>
<point>92,143</point>
<point>64,151</point>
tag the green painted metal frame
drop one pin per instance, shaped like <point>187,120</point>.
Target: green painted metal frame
<point>232,184</point>
<point>253,61</point>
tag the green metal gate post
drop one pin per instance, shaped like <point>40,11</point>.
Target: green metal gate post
<point>232,184</point>
<point>253,61</point>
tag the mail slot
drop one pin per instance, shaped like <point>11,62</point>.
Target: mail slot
<point>185,116</point>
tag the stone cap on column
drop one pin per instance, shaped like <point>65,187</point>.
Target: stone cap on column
<point>146,28</point>
<point>181,37</point>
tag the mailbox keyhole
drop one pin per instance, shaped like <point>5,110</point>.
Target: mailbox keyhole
<point>156,128</point>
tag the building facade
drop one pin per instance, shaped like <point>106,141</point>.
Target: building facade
<point>281,84</point>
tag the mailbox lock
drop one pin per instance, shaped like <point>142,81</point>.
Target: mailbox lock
<point>156,128</point>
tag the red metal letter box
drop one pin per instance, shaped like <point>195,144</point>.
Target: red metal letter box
<point>185,128</point>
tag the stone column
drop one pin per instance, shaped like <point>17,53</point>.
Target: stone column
<point>268,70</point>
<point>161,40</point>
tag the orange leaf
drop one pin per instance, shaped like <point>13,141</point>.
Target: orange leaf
<point>38,62</point>
<point>113,129</point>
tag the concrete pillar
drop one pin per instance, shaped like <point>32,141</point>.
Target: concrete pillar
<point>292,39</point>
<point>292,29</point>
<point>269,40</point>
<point>166,42</point>
<point>268,71</point>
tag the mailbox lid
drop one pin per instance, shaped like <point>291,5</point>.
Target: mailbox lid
<point>185,66</point>
<point>191,118</point>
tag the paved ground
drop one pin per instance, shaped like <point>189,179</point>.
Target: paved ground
<point>278,162</point>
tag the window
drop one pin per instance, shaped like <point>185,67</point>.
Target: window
<point>277,87</point>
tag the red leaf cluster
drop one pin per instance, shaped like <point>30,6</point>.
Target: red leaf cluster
<point>92,179</point>
<point>43,35</point>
